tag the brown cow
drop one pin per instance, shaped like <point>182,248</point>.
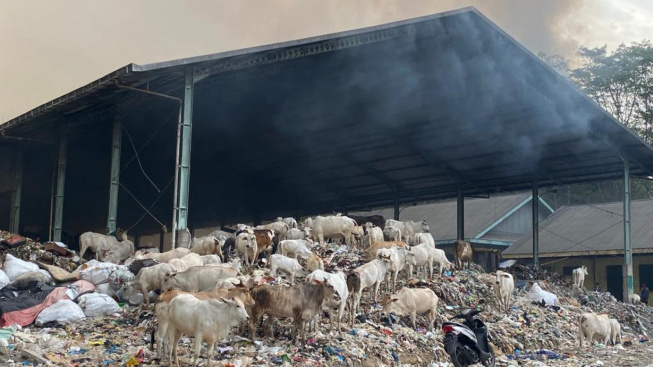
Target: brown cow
<point>376,246</point>
<point>299,301</point>
<point>462,251</point>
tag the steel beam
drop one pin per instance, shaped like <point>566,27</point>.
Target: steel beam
<point>460,223</point>
<point>396,213</point>
<point>61,181</point>
<point>536,225</point>
<point>184,167</point>
<point>112,217</point>
<point>14,218</point>
<point>628,255</point>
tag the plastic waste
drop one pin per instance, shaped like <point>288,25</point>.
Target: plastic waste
<point>4,279</point>
<point>64,311</point>
<point>97,272</point>
<point>14,267</point>
<point>537,294</point>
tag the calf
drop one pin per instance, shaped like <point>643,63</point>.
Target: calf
<point>198,278</point>
<point>295,248</point>
<point>634,299</point>
<point>207,320</point>
<point>503,287</point>
<point>149,279</point>
<point>462,251</point>
<point>364,276</point>
<point>410,302</point>
<point>590,325</point>
<point>578,276</point>
<point>300,301</point>
<point>288,265</point>
<point>314,262</point>
<point>440,258</point>
<point>376,246</point>
<point>339,283</point>
<point>207,245</point>
<point>615,331</point>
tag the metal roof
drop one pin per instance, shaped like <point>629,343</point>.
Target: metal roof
<point>589,230</point>
<point>412,108</point>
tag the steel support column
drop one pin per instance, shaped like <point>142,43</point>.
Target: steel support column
<point>460,223</point>
<point>61,181</point>
<point>396,214</point>
<point>535,205</point>
<point>112,217</point>
<point>628,255</point>
<point>14,218</point>
<point>184,167</point>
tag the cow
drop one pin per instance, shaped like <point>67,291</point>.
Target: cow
<point>408,228</point>
<point>210,259</point>
<point>615,331</point>
<point>186,262</point>
<point>290,222</point>
<point>207,320</point>
<point>295,248</point>
<point>161,306</point>
<point>118,252</point>
<point>503,288</point>
<point>357,235</point>
<point>365,276</point>
<point>99,243</point>
<point>410,302</point>
<point>376,246</point>
<point>339,283</point>
<point>462,251</point>
<point>421,255</point>
<point>298,234</point>
<point>314,262</point>
<point>302,302</point>
<point>590,325</point>
<point>396,259</point>
<point>228,241</point>
<point>207,245</point>
<point>578,276</point>
<point>148,279</point>
<point>264,241</point>
<point>287,264</point>
<point>198,278</point>
<point>372,234</point>
<point>246,247</point>
<point>634,299</point>
<point>279,228</point>
<point>377,220</point>
<point>424,238</point>
<point>330,226</point>
<point>164,257</point>
<point>392,234</point>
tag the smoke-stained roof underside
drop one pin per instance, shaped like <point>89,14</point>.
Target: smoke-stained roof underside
<point>344,120</point>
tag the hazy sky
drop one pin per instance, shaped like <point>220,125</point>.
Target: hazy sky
<point>49,48</point>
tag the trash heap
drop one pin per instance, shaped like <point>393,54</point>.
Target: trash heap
<point>532,332</point>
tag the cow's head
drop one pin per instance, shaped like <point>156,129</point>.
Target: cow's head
<point>169,281</point>
<point>425,226</point>
<point>501,274</point>
<point>584,269</point>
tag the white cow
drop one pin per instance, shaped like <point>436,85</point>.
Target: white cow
<point>246,247</point>
<point>396,259</point>
<point>410,302</point>
<point>615,331</point>
<point>210,259</point>
<point>119,252</point>
<point>578,276</point>
<point>339,283</point>
<point>408,228</point>
<point>330,226</point>
<point>391,234</point>
<point>186,262</point>
<point>425,238</point>
<point>634,299</point>
<point>591,325</point>
<point>365,276</point>
<point>298,234</point>
<point>207,245</point>
<point>440,258</point>
<point>99,243</point>
<point>279,228</point>
<point>206,320</point>
<point>290,221</point>
<point>295,248</point>
<point>372,234</point>
<point>198,278</point>
<point>164,257</point>
<point>503,286</point>
<point>288,265</point>
<point>148,279</point>
<point>421,255</point>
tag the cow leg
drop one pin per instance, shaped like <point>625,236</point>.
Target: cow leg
<point>175,345</point>
<point>376,291</point>
<point>209,353</point>
<point>413,316</point>
<point>605,340</point>
<point>292,278</point>
<point>198,347</point>
<point>253,322</point>
<point>394,281</point>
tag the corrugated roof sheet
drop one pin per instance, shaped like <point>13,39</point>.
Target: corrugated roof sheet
<point>589,228</point>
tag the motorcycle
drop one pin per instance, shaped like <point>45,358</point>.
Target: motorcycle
<point>467,343</point>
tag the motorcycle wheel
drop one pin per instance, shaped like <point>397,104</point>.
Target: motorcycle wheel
<point>490,362</point>
<point>457,358</point>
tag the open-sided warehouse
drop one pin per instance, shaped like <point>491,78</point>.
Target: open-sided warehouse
<point>429,108</point>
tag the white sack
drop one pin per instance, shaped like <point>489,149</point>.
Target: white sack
<point>14,267</point>
<point>4,279</point>
<point>63,311</point>
<point>537,294</point>
<point>95,304</point>
<point>98,273</point>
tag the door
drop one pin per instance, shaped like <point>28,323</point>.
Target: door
<point>615,281</point>
<point>645,276</point>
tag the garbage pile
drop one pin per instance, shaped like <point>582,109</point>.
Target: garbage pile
<point>89,325</point>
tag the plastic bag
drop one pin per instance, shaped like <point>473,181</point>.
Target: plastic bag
<point>537,294</point>
<point>63,311</point>
<point>95,304</point>
<point>119,277</point>
<point>4,279</point>
<point>14,267</point>
<point>98,273</point>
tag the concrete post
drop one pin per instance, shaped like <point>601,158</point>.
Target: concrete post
<point>460,223</point>
<point>396,212</point>
<point>184,176</point>
<point>112,217</point>
<point>61,181</point>
<point>628,255</point>
<point>14,218</point>
<point>535,201</point>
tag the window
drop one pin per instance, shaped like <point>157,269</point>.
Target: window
<point>568,270</point>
